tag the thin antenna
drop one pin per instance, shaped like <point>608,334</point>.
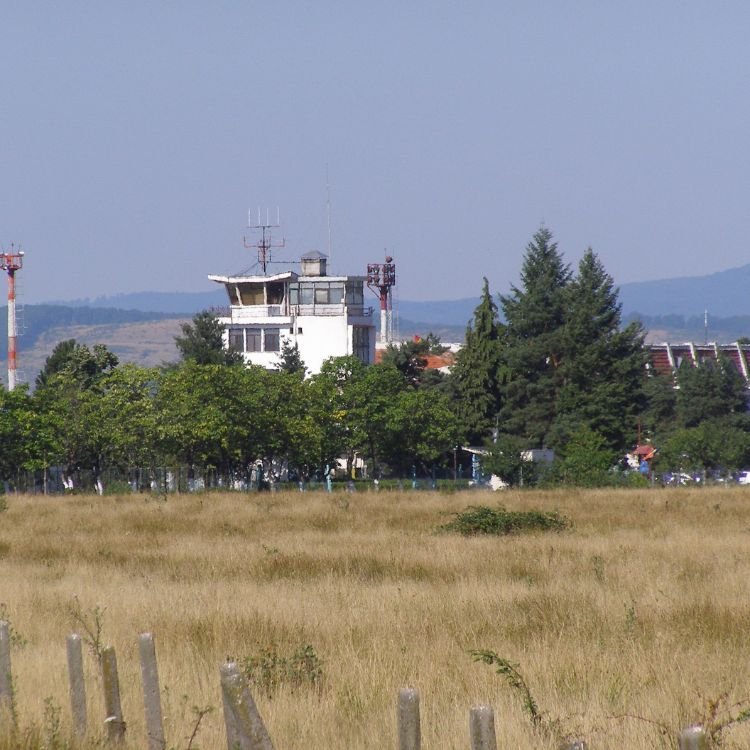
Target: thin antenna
<point>264,245</point>
<point>328,218</point>
<point>705,325</point>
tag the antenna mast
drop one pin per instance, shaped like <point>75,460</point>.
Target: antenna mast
<point>10,263</point>
<point>328,217</point>
<point>381,278</point>
<point>264,245</point>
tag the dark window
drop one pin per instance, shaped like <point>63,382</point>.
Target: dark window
<point>272,340</point>
<point>361,343</point>
<point>237,339</point>
<point>305,294</point>
<point>293,294</point>
<point>253,339</point>
<point>321,294</point>
<point>275,293</point>
<point>354,295</point>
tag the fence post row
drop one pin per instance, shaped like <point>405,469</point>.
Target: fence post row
<point>77,684</point>
<point>245,729</point>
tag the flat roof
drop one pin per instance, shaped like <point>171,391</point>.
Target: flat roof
<point>287,275</point>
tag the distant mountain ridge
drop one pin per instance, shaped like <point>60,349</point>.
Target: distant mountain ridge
<point>670,310</point>
<point>724,294</point>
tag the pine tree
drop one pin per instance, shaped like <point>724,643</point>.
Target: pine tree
<point>477,374</point>
<point>535,317</point>
<point>290,360</point>
<point>603,367</point>
<point>201,341</point>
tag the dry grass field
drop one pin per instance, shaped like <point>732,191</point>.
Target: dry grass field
<point>626,627</point>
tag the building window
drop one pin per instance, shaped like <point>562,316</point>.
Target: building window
<point>272,339</point>
<point>305,294</point>
<point>354,294</point>
<point>253,339</point>
<point>336,293</point>
<point>361,343</point>
<point>237,339</point>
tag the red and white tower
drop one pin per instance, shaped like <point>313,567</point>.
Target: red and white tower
<point>381,278</point>
<point>10,263</point>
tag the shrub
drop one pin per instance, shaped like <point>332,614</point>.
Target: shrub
<point>269,670</point>
<point>479,519</point>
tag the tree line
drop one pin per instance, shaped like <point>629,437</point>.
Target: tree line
<point>562,371</point>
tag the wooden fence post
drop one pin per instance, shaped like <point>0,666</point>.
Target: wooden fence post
<point>114,722</point>
<point>482,728</point>
<point>151,697</point>
<point>693,738</point>
<point>409,731</point>
<point>245,728</point>
<point>6,675</point>
<point>77,684</point>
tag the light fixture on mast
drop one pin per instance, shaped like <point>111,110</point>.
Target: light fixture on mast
<point>381,278</point>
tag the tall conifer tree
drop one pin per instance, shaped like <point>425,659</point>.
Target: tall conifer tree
<point>535,319</point>
<point>477,373</point>
<point>603,367</point>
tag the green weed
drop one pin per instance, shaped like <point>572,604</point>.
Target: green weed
<point>479,519</point>
<point>270,669</point>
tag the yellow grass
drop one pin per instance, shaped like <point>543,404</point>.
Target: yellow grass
<point>641,610</point>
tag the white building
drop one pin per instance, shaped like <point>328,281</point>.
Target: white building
<point>324,315</point>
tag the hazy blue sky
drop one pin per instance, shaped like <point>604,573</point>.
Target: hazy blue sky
<point>135,136</point>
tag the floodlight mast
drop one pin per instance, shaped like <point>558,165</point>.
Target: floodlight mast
<point>264,245</point>
<point>10,263</point>
<point>381,278</point>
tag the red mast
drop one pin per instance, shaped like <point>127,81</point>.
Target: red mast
<point>10,263</point>
<point>381,278</point>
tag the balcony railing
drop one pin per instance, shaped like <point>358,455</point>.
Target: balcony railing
<point>245,312</point>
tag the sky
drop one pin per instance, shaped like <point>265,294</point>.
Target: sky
<point>137,137</point>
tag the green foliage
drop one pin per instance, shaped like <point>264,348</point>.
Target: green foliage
<point>410,359</point>
<point>91,623</point>
<point>17,640</point>
<point>269,670</point>
<point>53,731</point>
<point>478,374</point>
<point>587,460</point>
<point>290,360</point>
<point>505,459</point>
<point>710,390</point>
<point>479,519</point>
<point>202,341</point>
<point>713,444</point>
<point>603,366</point>
<point>535,317</point>
<point>514,680</point>
<point>56,362</point>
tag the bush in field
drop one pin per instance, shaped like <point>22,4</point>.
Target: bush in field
<point>269,670</point>
<point>479,519</point>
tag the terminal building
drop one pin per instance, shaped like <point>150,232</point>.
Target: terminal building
<point>325,316</point>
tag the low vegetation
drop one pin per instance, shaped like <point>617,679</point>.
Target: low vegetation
<point>479,519</point>
<point>626,627</point>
